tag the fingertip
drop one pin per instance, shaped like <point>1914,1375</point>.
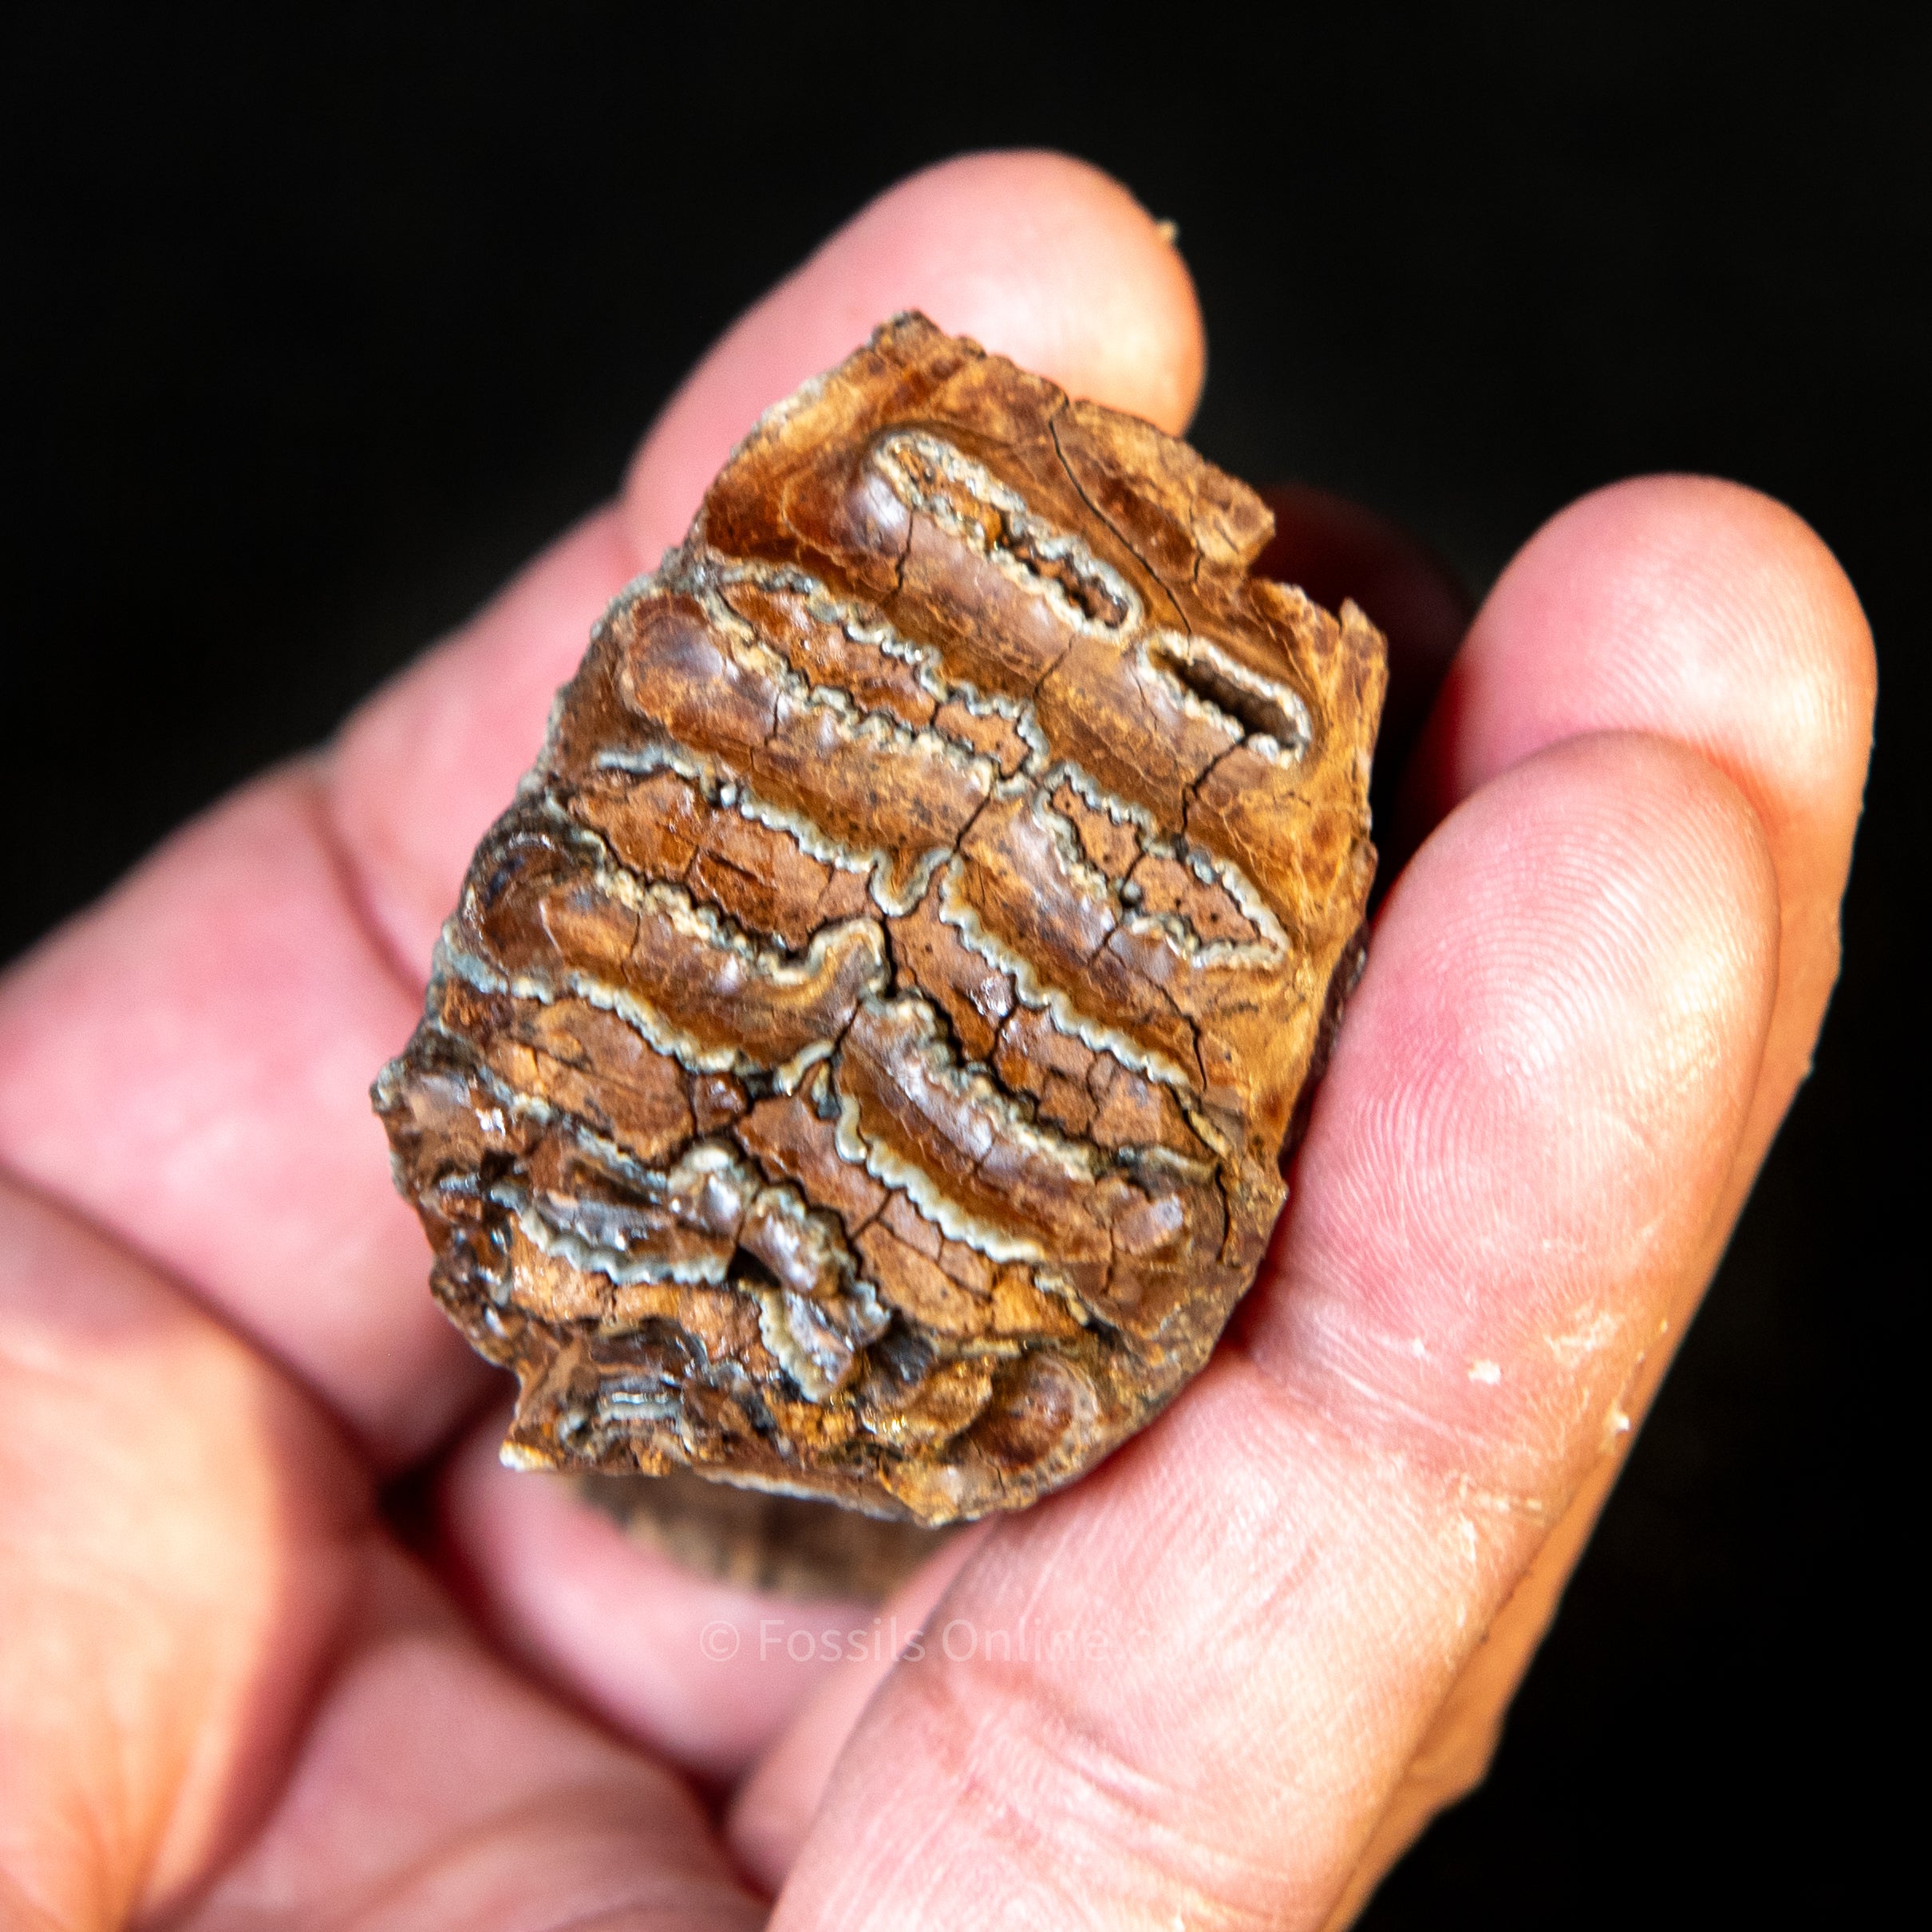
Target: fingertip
<point>1688,605</point>
<point>1697,610</point>
<point>1702,873</point>
<point>1624,858</point>
<point>1036,255</point>
<point>1739,555</point>
<point>1074,278</point>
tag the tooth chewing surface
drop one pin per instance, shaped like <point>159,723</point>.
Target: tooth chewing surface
<point>861,1061</point>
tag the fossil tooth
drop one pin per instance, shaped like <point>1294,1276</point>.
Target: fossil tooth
<point>860,1064</point>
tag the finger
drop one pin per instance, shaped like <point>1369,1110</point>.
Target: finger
<point>1037,257</point>
<point>773,1807</point>
<point>225,1700</point>
<point>1603,620</point>
<point>180,1532</point>
<point>1703,612</point>
<point>189,1064</point>
<point>434,1789</point>
<point>1706,613</point>
<point>703,1673</point>
<point>1189,1684</point>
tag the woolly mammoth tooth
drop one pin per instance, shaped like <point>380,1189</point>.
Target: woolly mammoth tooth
<point>861,1062</point>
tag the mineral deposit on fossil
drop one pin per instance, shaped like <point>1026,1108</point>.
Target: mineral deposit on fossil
<point>861,1064</point>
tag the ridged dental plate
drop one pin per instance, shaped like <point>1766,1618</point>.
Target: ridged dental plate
<point>862,1061</point>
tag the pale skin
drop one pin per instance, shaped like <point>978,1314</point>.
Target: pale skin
<point>1298,1604</point>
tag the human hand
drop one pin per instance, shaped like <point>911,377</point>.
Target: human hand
<point>1291,1613</point>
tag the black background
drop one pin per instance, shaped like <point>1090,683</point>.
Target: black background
<point>319,325</point>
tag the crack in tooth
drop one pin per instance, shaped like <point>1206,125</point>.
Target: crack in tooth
<point>721,787</point>
<point>509,1100</point>
<point>1120,536</point>
<point>621,1266</point>
<point>693,575</point>
<point>1097,797</point>
<point>642,1018</point>
<point>702,924</point>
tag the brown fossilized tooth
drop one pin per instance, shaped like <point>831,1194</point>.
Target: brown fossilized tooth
<point>861,1062</point>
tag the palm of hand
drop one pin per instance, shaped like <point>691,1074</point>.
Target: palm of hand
<point>1292,1611</point>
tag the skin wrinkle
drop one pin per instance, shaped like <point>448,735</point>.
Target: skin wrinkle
<point>443,1877</point>
<point>372,811</point>
<point>1637,1117</point>
<point>353,883</point>
<point>979,1762</point>
<point>1381,1418</point>
<point>1359,1349</point>
<point>1797,644</point>
<point>487,1832</point>
<point>961,1778</point>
